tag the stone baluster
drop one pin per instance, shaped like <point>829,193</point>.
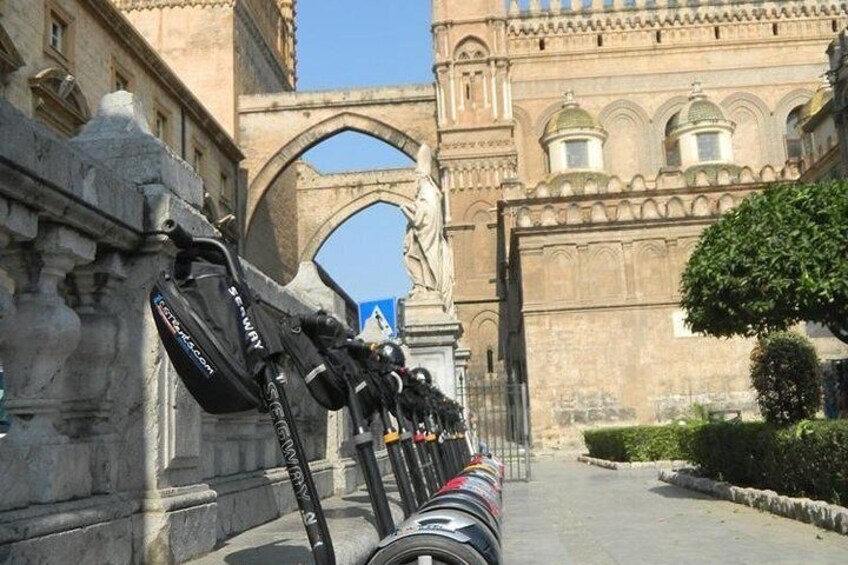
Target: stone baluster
<point>46,332</point>
<point>95,364</point>
<point>535,7</point>
<point>597,5</point>
<point>556,7</point>
<point>576,6</point>
<point>514,8</point>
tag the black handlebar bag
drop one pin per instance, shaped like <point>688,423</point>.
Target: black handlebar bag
<point>215,347</point>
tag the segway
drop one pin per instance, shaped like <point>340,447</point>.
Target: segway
<point>228,355</point>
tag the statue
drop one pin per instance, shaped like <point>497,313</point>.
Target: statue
<point>427,255</point>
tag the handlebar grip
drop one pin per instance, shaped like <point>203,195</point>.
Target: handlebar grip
<point>359,347</point>
<point>317,321</point>
<point>177,234</point>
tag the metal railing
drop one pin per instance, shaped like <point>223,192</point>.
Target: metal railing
<point>499,419</point>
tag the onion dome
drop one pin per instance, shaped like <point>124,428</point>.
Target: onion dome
<point>571,117</point>
<point>698,112</point>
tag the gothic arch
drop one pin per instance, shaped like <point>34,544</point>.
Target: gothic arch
<point>471,48</point>
<point>480,206</point>
<point>331,224</point>
<point>312,136</point>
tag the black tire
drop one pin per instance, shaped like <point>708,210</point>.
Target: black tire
<point>442,550</point>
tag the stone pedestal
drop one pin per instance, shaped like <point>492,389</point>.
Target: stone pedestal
<point>431,334</point>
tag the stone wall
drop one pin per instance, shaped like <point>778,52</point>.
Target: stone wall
<point>598,327</point>
<point>108,459</point>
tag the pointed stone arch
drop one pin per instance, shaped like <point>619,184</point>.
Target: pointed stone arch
<point>312,136</point>
<point>350,209</point>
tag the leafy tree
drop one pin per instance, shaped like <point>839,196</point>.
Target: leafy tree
<point>777,259</point>
<point>785,374</point>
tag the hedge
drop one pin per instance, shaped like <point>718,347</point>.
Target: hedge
<point>639,443</point>
<point>809,459</point>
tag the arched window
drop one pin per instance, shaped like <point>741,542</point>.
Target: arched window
<point>792,137</point>
<point>671,146</point>
<point>490,360</point>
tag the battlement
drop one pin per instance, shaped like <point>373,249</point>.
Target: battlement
<point>685,8</point>
<point>685,19</point>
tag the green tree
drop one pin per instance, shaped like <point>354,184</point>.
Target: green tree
<point>785,374</point>
<point>777,259</point>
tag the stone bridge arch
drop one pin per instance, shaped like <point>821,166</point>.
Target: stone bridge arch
<point>325,202</point>
<point>276,129</point>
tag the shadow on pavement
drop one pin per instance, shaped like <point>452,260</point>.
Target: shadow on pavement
<point>671,491</point>
<point>271,553</point>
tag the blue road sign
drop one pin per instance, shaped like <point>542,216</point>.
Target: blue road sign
<point>381,314</point>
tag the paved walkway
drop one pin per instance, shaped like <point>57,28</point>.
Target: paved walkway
<point>576,514</point>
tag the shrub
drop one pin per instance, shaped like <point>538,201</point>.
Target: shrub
<point>785,374</point>
<point>809,459</point>
<point>639,443</point>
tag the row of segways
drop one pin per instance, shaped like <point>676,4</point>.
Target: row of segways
<point>232,356</point>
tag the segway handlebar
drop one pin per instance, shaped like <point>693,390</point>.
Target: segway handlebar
<point>209,248</point>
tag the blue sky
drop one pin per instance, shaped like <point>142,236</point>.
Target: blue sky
<point>344,44</point>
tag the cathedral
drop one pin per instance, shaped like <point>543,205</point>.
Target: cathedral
<point>581,149</point>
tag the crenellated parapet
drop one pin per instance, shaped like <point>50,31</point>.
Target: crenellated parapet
<point>574,25</point>
<point>575,200</point>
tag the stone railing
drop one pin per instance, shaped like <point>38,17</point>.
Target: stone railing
<point>108,459</point>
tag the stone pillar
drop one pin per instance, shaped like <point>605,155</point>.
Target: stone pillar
<point>431,335</point>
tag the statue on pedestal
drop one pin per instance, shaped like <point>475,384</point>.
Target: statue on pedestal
<point>427,254</point>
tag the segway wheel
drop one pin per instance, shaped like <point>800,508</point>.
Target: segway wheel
<point>428,550</point>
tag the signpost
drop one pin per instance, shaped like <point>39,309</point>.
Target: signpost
<point>378,316</point>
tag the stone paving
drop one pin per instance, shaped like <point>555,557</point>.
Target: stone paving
<point>573,513</point>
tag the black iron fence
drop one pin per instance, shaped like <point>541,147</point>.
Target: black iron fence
<point>500,421</point>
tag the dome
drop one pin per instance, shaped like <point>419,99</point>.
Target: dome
<point>698,109</point>
<point>820,99</point>
<point>570,116</point>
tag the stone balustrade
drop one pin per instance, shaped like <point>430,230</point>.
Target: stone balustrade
<point>108,458</point>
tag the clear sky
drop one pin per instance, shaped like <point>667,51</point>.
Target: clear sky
<point>341,44</point>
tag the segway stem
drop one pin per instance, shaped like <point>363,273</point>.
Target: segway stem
<point>364,442</point>
<point>308,500</point>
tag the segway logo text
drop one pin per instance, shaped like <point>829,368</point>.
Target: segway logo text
<point>249,330</point>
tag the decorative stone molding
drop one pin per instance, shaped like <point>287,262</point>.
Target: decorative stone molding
<point>661,13</point>
<point>58,100</point>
